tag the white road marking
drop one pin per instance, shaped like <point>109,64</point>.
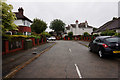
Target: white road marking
<point>78,71</point>
<point>69,49</point>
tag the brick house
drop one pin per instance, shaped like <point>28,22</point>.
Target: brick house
<point>23,22</point>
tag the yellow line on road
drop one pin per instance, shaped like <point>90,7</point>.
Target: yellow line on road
<point>19,67</point>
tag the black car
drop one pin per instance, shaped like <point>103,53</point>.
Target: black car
<point>105,45</point>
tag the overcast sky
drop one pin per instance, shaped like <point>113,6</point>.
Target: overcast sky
<point>96,12</point>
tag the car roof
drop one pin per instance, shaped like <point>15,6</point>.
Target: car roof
<point>103,37</point>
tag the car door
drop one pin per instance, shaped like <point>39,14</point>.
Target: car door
<point>93,45</point>
<point>96,43</point>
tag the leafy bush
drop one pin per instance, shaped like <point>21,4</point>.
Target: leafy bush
<point>36,37</point>
<point>45,34</point>
<point>96,35</point>
<point>19,33</point>
<point>108,33</point>
<point>86,34</point>
<point>117,34</point>
<point>10,37</point>
<point>70,34</point>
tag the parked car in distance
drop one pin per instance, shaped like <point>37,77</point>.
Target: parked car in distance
<point>52,38</point>
<point>105,45</point>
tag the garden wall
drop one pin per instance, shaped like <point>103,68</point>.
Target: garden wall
<point>9,46</point>
<point>83,38</point>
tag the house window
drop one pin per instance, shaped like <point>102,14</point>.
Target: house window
<point>23,22</point>
<point>28,24</point>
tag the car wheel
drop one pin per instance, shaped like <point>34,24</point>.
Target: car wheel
<point>101,54</point>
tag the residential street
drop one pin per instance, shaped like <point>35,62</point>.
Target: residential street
<point>69,59</point>
<point>60,39</point>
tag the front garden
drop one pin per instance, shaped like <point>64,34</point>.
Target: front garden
<point>12,43</point>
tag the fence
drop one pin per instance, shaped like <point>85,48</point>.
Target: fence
<point>12,46</point>
<point>83,38</point>
<point>19,44</point>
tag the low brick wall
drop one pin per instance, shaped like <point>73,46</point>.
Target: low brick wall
<point>83,38</point>
<point>13,46</point>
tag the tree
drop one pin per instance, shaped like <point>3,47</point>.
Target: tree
<point>38,26</point>
<point>58,26</point>
<point>8,18</point>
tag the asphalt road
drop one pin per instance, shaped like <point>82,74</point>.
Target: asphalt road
<point>68,59</point>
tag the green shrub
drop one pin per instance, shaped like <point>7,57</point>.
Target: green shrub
<point>36,37</point>
<point>108,33</point>
<point>45,34</point>
<point>117,34</point>
<point>86,34</point>
<point>70,35</point>
<point>19,33</point>
<point>96,35</point>
<point>12,37</point>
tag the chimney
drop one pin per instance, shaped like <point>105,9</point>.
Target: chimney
<point>86,24</point>
<point>76,23</point>
<point>76,29</point>
<point>20,10</point>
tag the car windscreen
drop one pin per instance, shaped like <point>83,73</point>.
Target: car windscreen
<point>113,39</point>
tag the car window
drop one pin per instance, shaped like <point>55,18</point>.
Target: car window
<point>115,39</point>
<point>97,40</point>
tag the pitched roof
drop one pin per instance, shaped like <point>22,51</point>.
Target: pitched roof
<point>68,27</point>
<point>20,15</point>
<point>73,25</point>
<point>111,25</point>
<point>81,25</point>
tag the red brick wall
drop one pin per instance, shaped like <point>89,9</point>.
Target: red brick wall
<point>14,50</point>
<point>24,29</point>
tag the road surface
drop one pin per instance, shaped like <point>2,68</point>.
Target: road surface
<point>68,59</point>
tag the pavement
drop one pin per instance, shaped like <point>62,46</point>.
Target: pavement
<point>68,59</point>
<point>13,60</point>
